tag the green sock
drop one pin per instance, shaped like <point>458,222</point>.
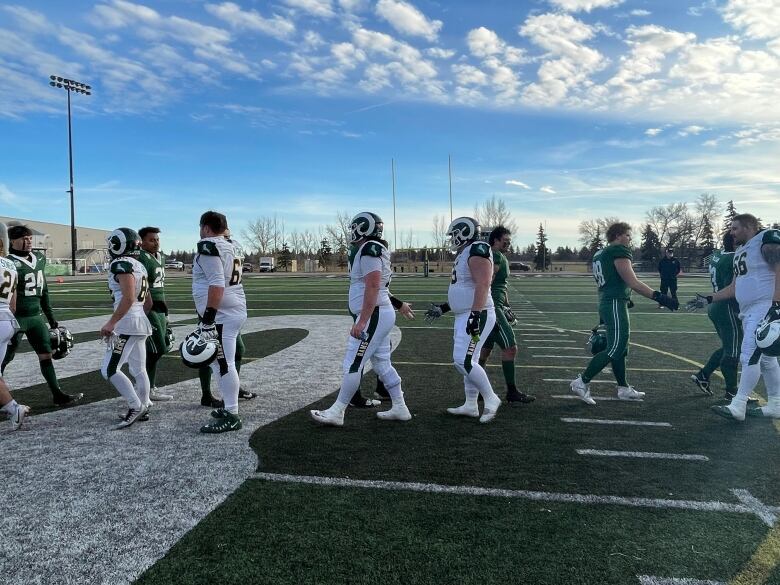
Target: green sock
<point>47,369</point>
<point>151,368</point>
<point>729,367</point>
<point>205,380</point>
<point>508,367</point>
<point>619,370</point>
<point>597,363</point>
<point>712,364</point>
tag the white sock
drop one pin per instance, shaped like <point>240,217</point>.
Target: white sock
<point>125,388</point>
<point>349,386</point>
<point>471,392</point>
<point>770,369</point>
<point>396,395</point>
<point>748,379</point>
<point>9,407</point>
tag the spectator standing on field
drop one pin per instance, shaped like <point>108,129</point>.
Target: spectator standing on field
<point>669,268</point>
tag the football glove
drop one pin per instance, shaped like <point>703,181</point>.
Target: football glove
<point>630,304</point>
<point>698,302</point>
<point>435,312</point>
<point>207,331</point>
<point>472,325</point>
<point>665,300</point>
<point>774,312</point>
<point>509,314</point>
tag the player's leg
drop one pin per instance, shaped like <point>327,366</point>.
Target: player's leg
<point>224,367</point>
<point>240,351</point>
<point>117,354</point>
<point>716,315</point>
<point>673,288</point>
<point>10,348</point>
<point>40,339</point>
<point>464,350</point>
<point>505,337</point>
<point>381,364</point>
<point>770,370</point>
<point>16,411</point>
<point>598,362</point>
<point>731,338</point>
<point>155,349</point>
<point>136,365</point>
<point>617,349</point>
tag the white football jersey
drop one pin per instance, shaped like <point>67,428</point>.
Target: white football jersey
<point>368,257</point>
<point>8,281</point>
<point>134,322</point>
<point>219,262</point>
<point>460,295</point>
<point>754,278</point>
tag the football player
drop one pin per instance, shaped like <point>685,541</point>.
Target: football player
<point>725,317</point>
<point>500,239</point>
<point>756,287</point>
<point>615,279</point>
<point>380,392</point>
<point>32,307</point>
<point>221,303</point>
<point>126,331</point>
<point>8,279</point>
<point>157,343</point>
<point>469,299</point>
<point>374,318</point>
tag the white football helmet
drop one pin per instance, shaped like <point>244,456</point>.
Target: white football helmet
<point>768,337</point>
<point>365,224</point>
<point>462,231</point>
<point>197,352</point>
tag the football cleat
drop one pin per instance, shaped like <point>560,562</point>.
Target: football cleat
<point>514,396</point>
<point>131,416</point>
<point>398,412</point>
<point>582,390</point>
<point>157,396</point>
<point>359,402</point>
<point>465,410</point>
<point>701,382</point>
<point>726,412</point>
<point>17,418</point>
<point>628,393</point>
<point>329,417</point>
<point>143,418</point>
<point>764,411</point>
<point>63,399</point>
<point>491,408</point>
<point>246,394</point>
<point>225,423</point>
<point>211,402</point>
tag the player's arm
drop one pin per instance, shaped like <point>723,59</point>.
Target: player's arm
<point>727,292</point>
<point>770,251</point>
<point>46,305</point>
<point>148,302</point>
<point>402,307</point>
<point>214,271</point>
<point>12,301</point>
<point>372,281</point>
<point>626,272</point>
<point>127,286</point>
<point>482,275</point>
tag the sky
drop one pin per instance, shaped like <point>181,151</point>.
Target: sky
<point>566,109</point>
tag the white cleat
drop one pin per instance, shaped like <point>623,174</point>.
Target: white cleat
<point>328,417</point>
<point>490,410</point>
<point>582,390</point>
<point>465,410</point>
<point>158,396</point>
<point>400,412</point>
<point>17,418</point>
<point>628,393</point>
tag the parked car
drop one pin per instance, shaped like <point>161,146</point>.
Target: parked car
<point>174,264</point>
<point>248,267</point>
<point>522,267</point>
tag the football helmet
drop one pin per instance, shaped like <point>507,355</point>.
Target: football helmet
<point>197,351</point>
<point>597,341</point>
<point>170,338</point>
<point>123,242</point>
<point>365,224</point>
<point>768,337</point>
<point>61,342</point>
<point>462,231</point>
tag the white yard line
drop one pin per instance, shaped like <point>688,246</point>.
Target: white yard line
<point>569,381</point>
<point>434,488</point>
<point>651,580</point>
<point>607,421</point>
<point>642,455</point>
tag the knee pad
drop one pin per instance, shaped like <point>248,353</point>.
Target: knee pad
<point>389,377</point>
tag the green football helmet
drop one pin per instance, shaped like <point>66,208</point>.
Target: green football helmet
<point>462,231</point>
<point>597,341</point>
<point>123,242</point>
<point>365,224</point>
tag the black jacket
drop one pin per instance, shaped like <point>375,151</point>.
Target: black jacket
<point>669,268</point>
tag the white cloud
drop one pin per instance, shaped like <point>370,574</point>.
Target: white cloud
<point>653,131</point>
<point>640,12</point>
<point>9,197</point>
<point>759,19</point>
<point>240,19</point>
<point>27,18</point>
<point>485,43</point>
<point>407,19</point>
<point>321,8</point>
<point>353,5</point>
<point>439,53</point>
<point>586,5</point>
<point>517,183</point>
<point>691,130</point>
<point>468,75</point>
<point>548,189</point>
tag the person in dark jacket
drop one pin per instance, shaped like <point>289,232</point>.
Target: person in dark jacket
<point>669,268</point>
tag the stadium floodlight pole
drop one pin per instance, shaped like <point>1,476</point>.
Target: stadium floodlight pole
<point>449,168</point>
<point>395,227</point>
<point>69,85</point>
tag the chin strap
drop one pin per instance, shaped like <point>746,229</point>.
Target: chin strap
<point>19,252</point>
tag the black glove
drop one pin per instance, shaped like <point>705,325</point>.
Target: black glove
<point>509,314</point>
<point>630,304</point>
<point>472,325</point>
<point>665,300</point>
<point>209,316</point>
<point>773,314</point>
<point>53,324</point>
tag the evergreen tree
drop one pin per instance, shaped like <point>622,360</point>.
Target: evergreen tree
<point>324,254</point>
<point>729,217</point>
<point>708,243</point>
<point>542,259</point>
<point>651,244</point>
<point>596,243</point>
<point>583,254</point>
<point>285,258</point>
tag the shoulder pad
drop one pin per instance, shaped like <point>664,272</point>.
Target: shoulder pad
<point>771,237</point>
<point>480,249</point>
<point>373,249</point>
<point>121,267</point>
<point>208,248</point>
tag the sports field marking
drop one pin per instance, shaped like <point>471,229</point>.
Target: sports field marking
<point>635,502</point>
<point>650,580</point>
<point>762,563</point>
<point>607,421</point>
<point>641,455</point>
<point>546,367</point>
<point>598,398</point>
<point>569,381</point>
<point>767,513</point>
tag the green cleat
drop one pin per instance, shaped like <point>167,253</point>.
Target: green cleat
<point>227,422</point>
<point>763,412</point>
<point>725,412</point>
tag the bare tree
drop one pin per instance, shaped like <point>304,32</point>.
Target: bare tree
<point>591,229</point>
<point>407,239</point>
<point>668,221</point>
<point>493,212</point>
<point>707,209</point>
<point>259,234</point>
<point>439,231</point>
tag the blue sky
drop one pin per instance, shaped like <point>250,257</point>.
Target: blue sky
<point>567,109</point>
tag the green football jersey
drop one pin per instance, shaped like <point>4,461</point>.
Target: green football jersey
<point>32,283</point>
<point>721,269</point>
<point>611,285</point>
<point>155,268</point>
<point>499,285</point>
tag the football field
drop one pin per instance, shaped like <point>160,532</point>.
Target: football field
<point>659,491</point>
